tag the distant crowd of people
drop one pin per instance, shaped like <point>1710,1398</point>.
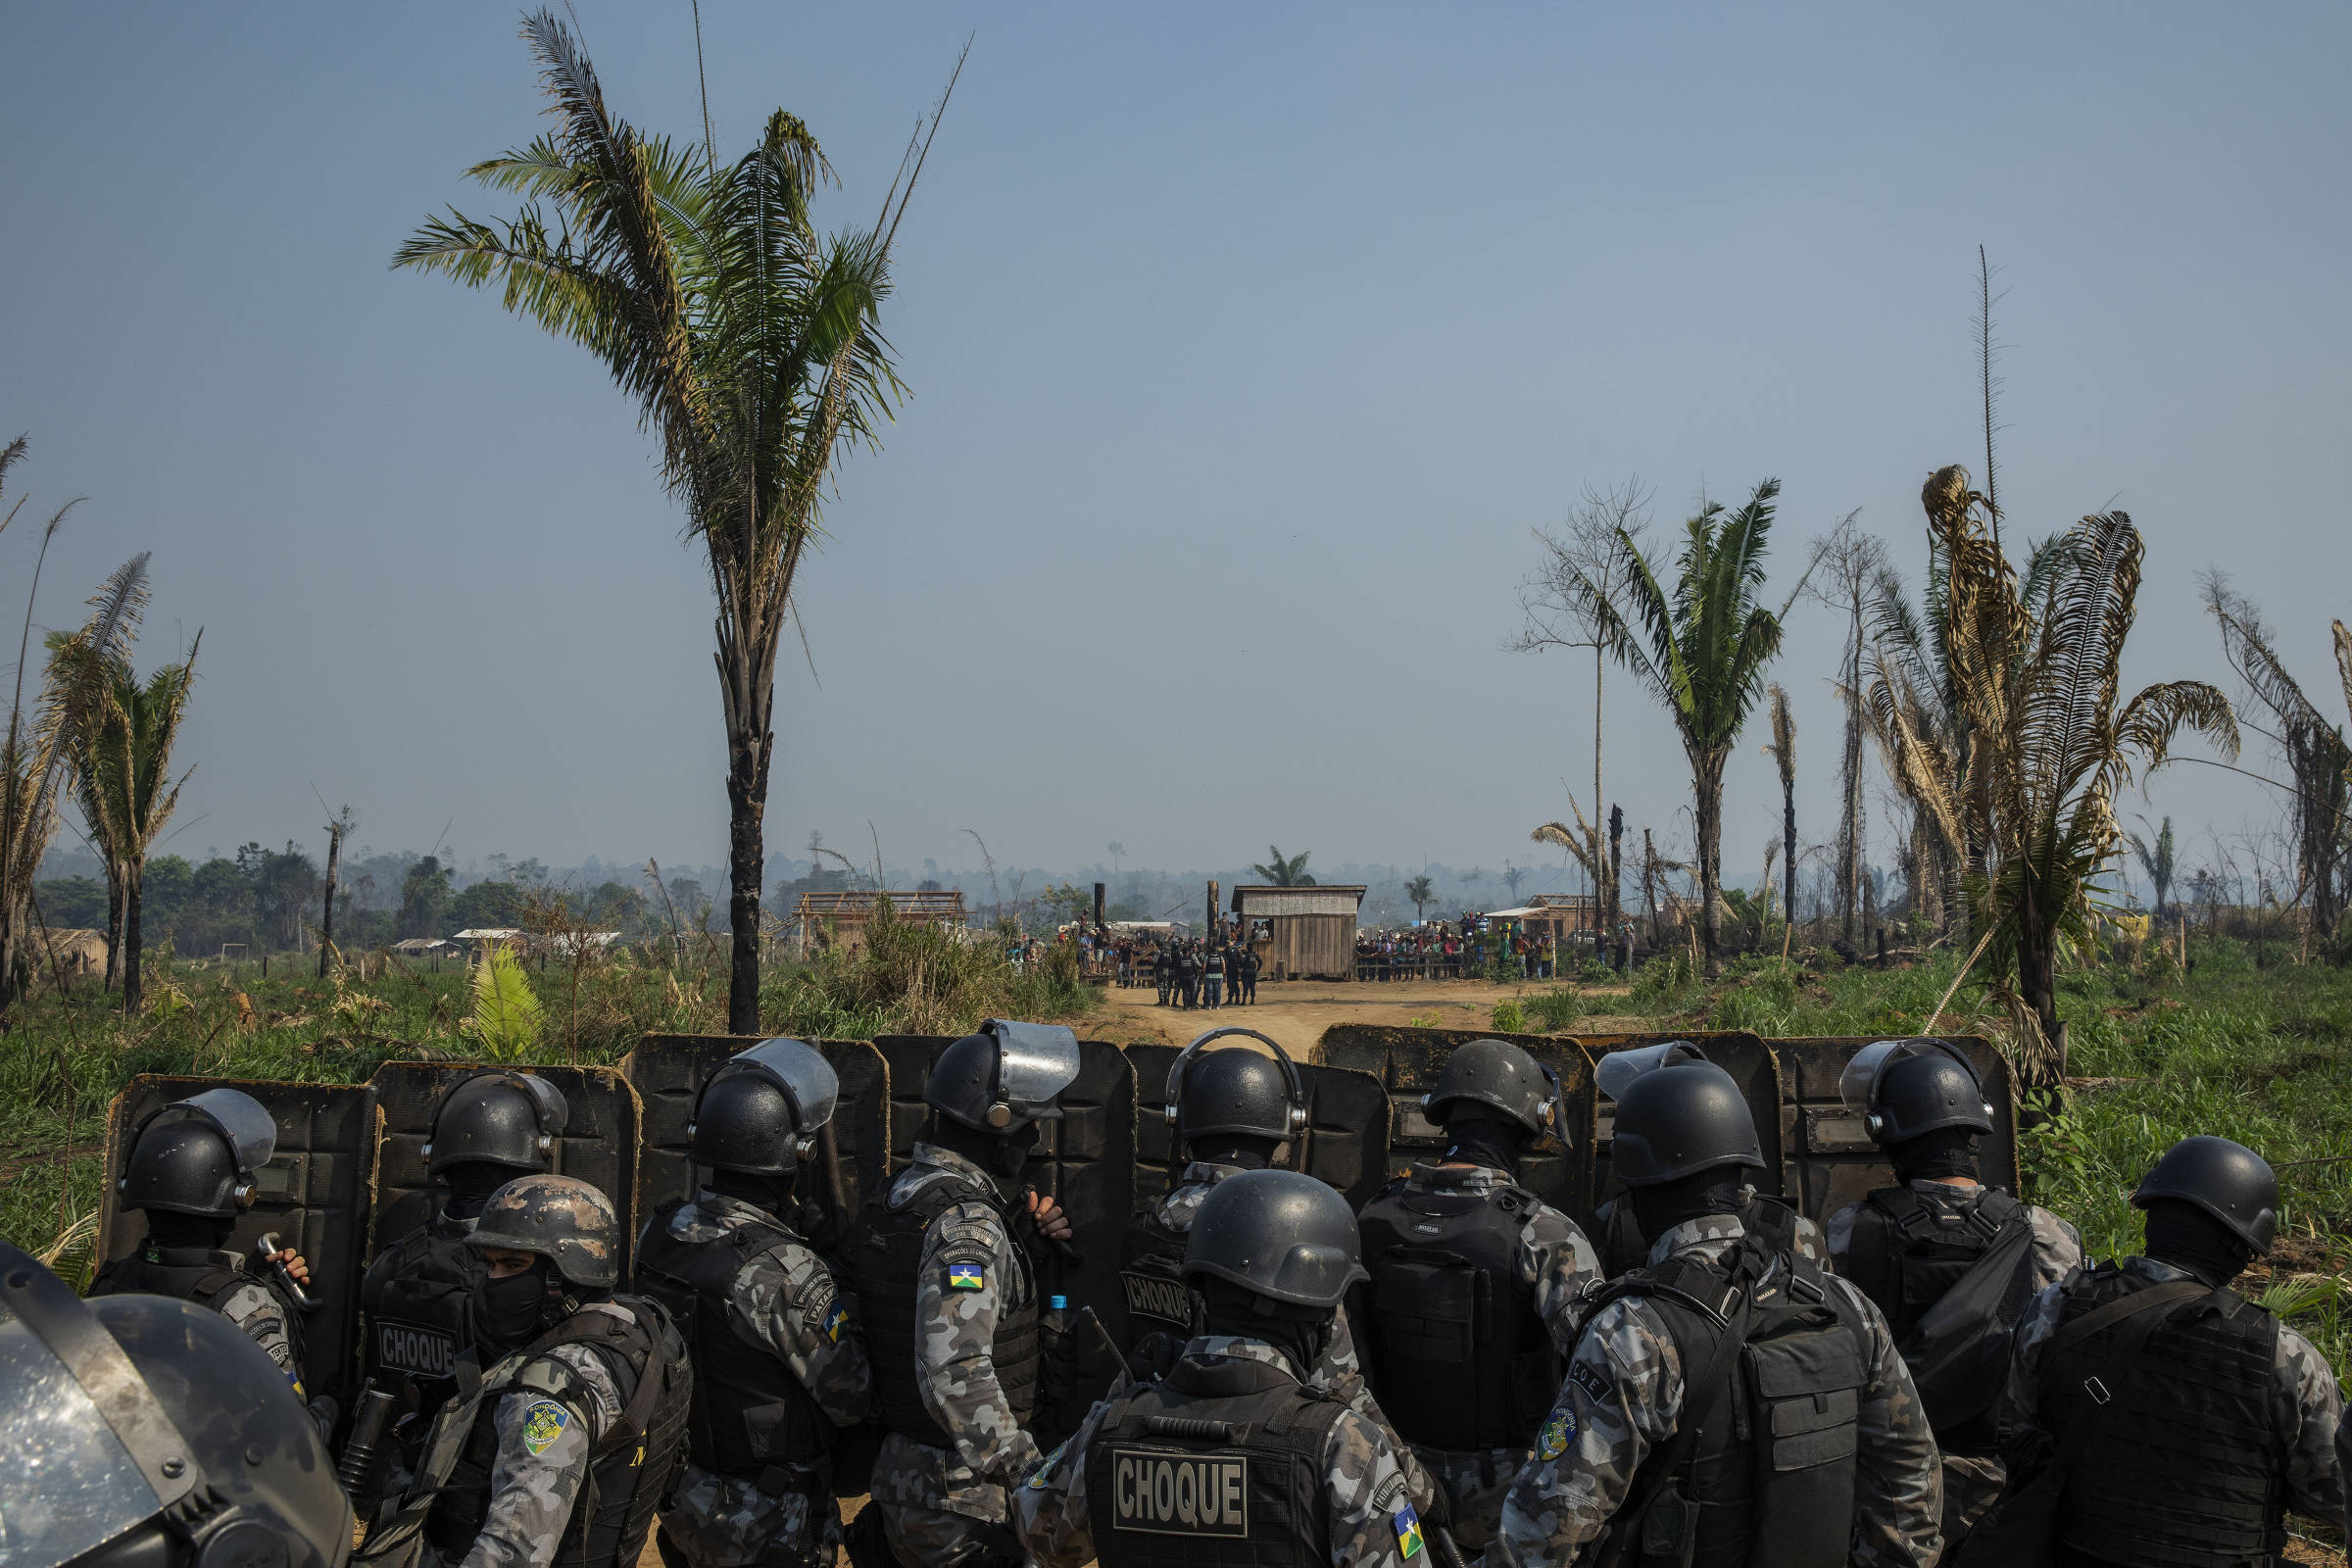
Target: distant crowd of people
<point>1452,950</point>
<point>1192,974</point>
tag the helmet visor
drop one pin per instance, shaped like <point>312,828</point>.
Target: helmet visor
<point>251,1131</point>
<point>1616,1072</point>
<point>547,1099</point>
<point>69,1485</point>
<point>1035,1061</point>
<point>1861,1074</point>
<point>801,1070</point>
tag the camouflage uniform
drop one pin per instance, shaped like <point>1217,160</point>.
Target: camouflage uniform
<point>785,1301</point>
<point>1340,1370</point>
<point>2308,1407</point>
<point>1809,1241</point>
<point>938,1504</point>
<point>1558,1267</point>
<point>1972,1483</point>
<point>1366,1491</point>
<point>1560,1504</point>
<point>541,1459</point>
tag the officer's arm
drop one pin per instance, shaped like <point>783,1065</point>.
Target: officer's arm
<point>541,1459</point>
<point>1623,1397</point>
<point>2311,1413</point>
<point>800,1311</point>
<point>1049,1509</point>
<point>1837,1238</point>
<point>258,1312</point>
<point>1898,1495</point>
<point>2021,1401</point>
<point>1557,1262</point>
<point>967,1266</point>
<point>1367,1500</point>
<point>2056,1251</point>
<point>1340,1374</point>
<point>1809,1242</point>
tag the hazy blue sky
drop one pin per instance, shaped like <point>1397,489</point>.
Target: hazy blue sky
<point>1248,343</point>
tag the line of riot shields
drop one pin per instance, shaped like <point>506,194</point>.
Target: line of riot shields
<point>348,1176</point>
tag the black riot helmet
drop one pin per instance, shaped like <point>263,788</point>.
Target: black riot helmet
<point>1278,1234</point>
<point>760,1111</point>
<point>562,1219</point>
<point>142,1432</point>
<point>2227,1180</point>
<point>1906,1089</point>
<point>1680,1119</point>
<point>1005,1077</point>
<point>199,1155</point>
<point>1235,1091</point>
<point>1501,1077</point>
<point>497,1117</point>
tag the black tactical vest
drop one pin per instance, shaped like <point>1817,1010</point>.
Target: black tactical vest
<point>1972,1254</point>
<point>1623,1250</point>
<point>195,1274</point>
<point>1768,1479</point>
<point>1212,1468</point>
<point>631,1466</point>
<point>885,1255</point>
<point>2190,1470</point>
<point>752,1417</point>
<point>1454,1349</point>
<point>1159,1305</point>
<point>418,1299</point>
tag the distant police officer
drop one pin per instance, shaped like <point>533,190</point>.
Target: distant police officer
<point>1729,1403</point>
<point>422,1294</point>
<point>139,1432</point>
<point>563,1450</point>
<point>2222,1419</point>
<point>1163,969</point>
<point>193,1170</point>
<point>1617,1233</point>
<point>1236,1457</point>
<point>1476,1285</point>
<point>951,1301</point>
<point>779,1364</point>
<point>1951,1262</point>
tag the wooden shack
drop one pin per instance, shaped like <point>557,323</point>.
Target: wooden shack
<point>1312,929</point>
<point>1558,916</point>
<point>840,919</point>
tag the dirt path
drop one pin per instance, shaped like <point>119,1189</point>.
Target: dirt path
<point>1296,1012</point>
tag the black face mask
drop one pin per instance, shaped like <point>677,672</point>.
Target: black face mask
<point>470,1186</point>
<point>1234,1149</point>
<point>1931,1156</point>
<point>1661,1207</point>
<point>1484,1141</point>
<point>759,1189</point>
<point>2187,1237</point>
<point>1300,1333</point>
<point>166,1228</point>
<point>507,1312</point>
<point>1013,1152</point>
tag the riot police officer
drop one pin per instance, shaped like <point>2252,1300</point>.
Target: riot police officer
<point>564,1446</point>
<point>1476,1286</point>
<point>951,1301</point>
<point>193,1169</point>
<point>2209,1417</point>
<point>1163,968</point>
<point>1235,1457</point>
<point>141,1432</point>
<point>1617,1233</point>
<point>1729,1402</point>
<point>1951,1262</point>
<point>421,1295</point>
<point>779,1362</point>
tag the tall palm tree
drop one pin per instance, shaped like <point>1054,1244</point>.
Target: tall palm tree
<point>123,730</point>
<point>1701,649</point>
<point>1420,890</point>
<point>1783,751</point>
<point>2155,857</point>
<point>1290,873</point>
<point>749,342</point>
<point>2038,686</point>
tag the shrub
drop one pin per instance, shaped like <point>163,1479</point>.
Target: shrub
<point>1556,1010</point>
<point>1507,1017</point>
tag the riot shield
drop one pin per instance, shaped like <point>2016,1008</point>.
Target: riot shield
<point>1828,1155</point>
<point>598,1144</point>
<point>314,1182</point>
<point>1407,1060</point>
<point>1085,1162</point>
<point>1746,1058</point>
<point>667,1071</point>
<point>1345,1142</point>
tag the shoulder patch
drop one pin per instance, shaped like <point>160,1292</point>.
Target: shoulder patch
<point>542,1424</point>
<point>1558,1432</point>
<point>837,1323</point>
<point>1044,1468</point>
<point>1407,1525</point>
<point>1593,1380</point>
<point>966,1277</point>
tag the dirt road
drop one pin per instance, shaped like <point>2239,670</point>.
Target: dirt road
<point>1296,1012</point>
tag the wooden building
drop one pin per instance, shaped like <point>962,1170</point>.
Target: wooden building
<point>827,919</point>
<point>1558,916</point>
<point>1311,931</point>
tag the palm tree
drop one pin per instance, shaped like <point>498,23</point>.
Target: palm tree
<point>748,341</point>
<point>1701,649</point>
<point>1783,751</point>
<point>2037,687</point>
<point>2156,860</point>
<point>1420,890</point>
<point>122,730</point>
<point>1290,873</point>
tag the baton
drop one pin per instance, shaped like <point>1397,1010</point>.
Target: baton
<point>1126,1372</point>
<point>268,1247</point>
<point>1440,1541</point>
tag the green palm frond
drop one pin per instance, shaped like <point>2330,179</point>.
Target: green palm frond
<point>506,1017</point>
